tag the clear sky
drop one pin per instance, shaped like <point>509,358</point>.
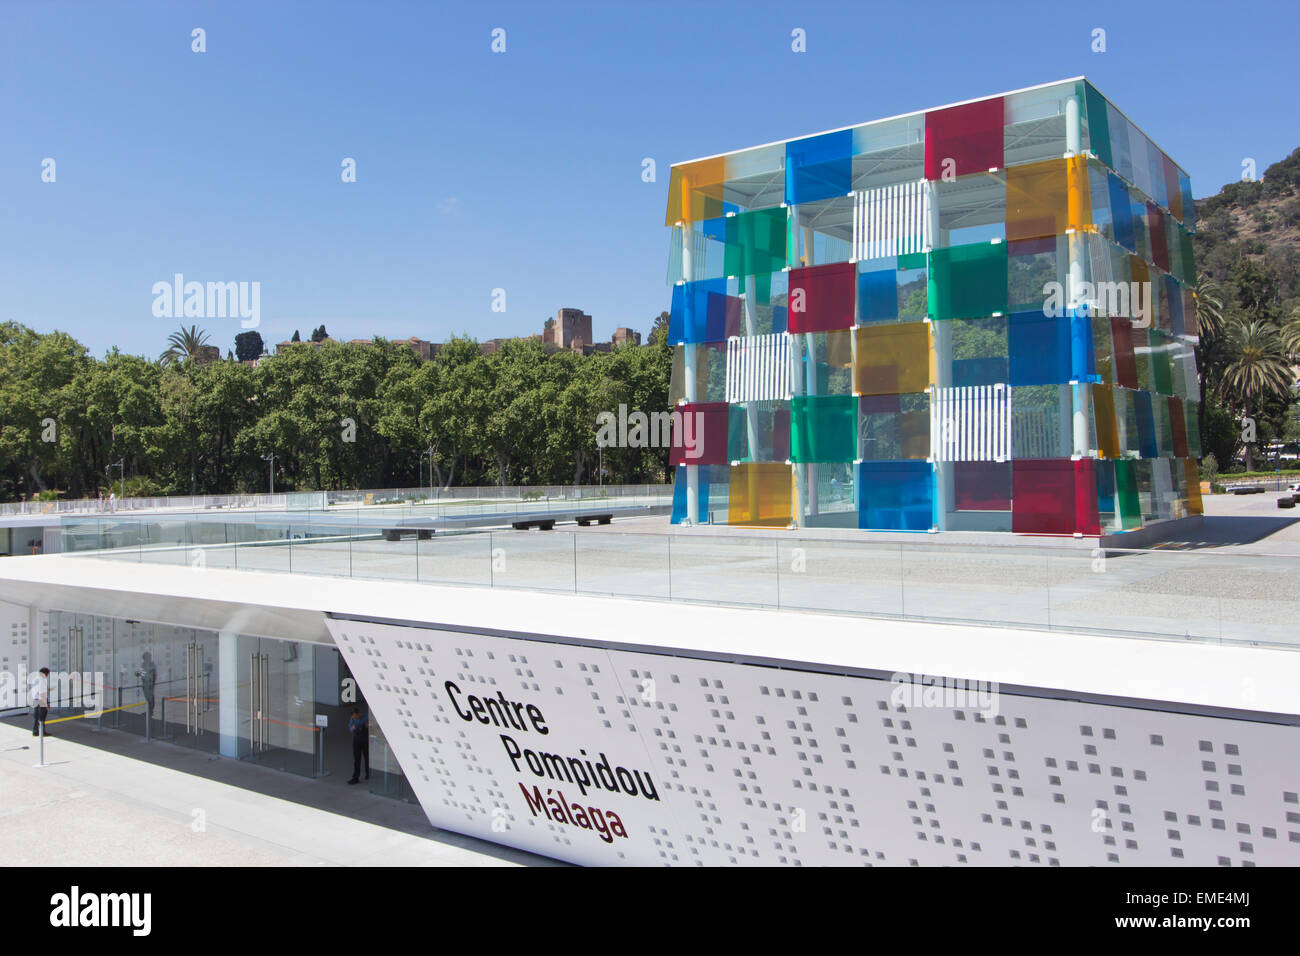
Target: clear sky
<point>518,170</point>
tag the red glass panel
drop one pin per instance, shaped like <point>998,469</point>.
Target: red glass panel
<point>1179,422</point>
<point>1121,331</point>
<point>699,434</point>
<point>982,485</point>
<point>1054,496</point>
<point>971,136</point>
<point>1156,227</point>
<point>821,297</point>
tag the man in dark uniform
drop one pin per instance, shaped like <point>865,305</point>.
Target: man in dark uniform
<point>359,727</point>
<point>148,674</point>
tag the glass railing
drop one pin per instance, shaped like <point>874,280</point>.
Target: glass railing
<point>330,501</point>
<point>1202,595</point>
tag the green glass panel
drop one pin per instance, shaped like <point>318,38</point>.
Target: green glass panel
<point>1163,373</point>
<point>755,242</point>
<point>823,428</point>
<point>1164,428</point>
<point>1126,494</point>
<point>1192,411</point>
<point>1098,127</point>
<point>968,282</point>
<point>737,434</point>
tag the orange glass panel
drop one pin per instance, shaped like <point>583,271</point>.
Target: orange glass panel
<point>894,359</point>
<point>1191,325</point>
<point>1047,198</point>
<point>695,191</point>
<point>1194,504</point>
<point>1103,409</point>
<point>761,495</point>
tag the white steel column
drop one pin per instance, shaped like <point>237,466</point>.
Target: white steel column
<point>810,469</point>
<point>228,692</point>
<point>1074,147</point>
<point>941,336</point>
<point>689,373</point>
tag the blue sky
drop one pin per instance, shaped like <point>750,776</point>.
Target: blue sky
<point>521,170</point>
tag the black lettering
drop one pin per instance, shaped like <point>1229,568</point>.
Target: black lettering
<point>539,722</point>
<point>452,691</point>
<point>512,751</point>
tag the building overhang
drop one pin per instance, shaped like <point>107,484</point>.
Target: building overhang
<point>1186,676</point>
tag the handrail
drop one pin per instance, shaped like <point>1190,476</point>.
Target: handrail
<point>302,500</point>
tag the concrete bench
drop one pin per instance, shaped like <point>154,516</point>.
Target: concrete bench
<point>545,524</point>
<point>603,518</point>
<point>1249,490</point>
<point>1286,501</point>
<point>397,534</point>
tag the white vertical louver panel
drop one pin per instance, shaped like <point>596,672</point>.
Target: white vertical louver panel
<point>971,423</point>
<point>758,368</point>
<point>889,221</point>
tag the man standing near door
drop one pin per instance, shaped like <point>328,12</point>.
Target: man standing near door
<point>359,727</point>
<point>38,695</point>
<point>148,674</point>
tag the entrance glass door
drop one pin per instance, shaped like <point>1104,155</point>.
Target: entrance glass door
<point>189,704</point>
<point>81,663</point>
<point>277,706</point>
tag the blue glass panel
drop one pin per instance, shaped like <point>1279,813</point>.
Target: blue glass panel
<point>819,167</point>
<point>979,371</point>
<point>1121,212</point>
<point>679,495</point>
<point>699,312</point>
<point>1146,422</point>
<point>1039,349</point>
<point>1189,207</point>
<point>710,475</point>
<point>780,318</point>
<point>878,295</point>
<point>1177,322</point>
<point>895,495</point>
<point>1083,364</point>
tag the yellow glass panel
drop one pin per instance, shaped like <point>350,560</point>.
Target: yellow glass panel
<point>695,191</point>
<point>1047,198</point>
<point>894,359</point>
<point>761,495</point>
<point>839,348</point>
<point>1103,409</point>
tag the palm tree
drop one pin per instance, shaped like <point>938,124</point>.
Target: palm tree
<point>1255,370</point>
<point>1209,305</point>
<point>1291,336</point>
<point>184,344</point>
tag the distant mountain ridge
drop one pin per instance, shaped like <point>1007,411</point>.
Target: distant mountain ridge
<point>1259,219</point>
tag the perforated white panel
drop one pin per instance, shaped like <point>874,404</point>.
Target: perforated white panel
<point>754,764</point>
<point>16,653</point>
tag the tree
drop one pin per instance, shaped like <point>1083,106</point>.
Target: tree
<point>1291,336</point>
<point>1255,372</point>
<point>296,337</point>
<point>319,334</point>
<point>248,345</point>
<point>659,331</point>
<point>184,345</point>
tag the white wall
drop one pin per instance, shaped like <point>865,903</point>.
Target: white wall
<point>772,766</point>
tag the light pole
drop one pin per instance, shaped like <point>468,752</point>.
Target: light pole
<point>270,471</point>
<point>429,451</point>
